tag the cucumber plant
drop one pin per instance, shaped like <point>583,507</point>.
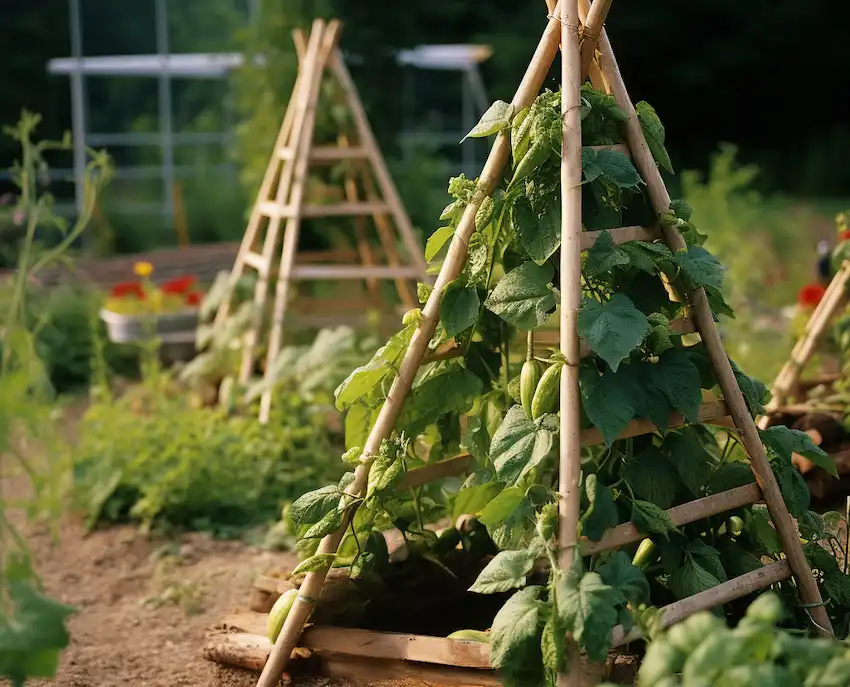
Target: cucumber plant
<point>502,409</point>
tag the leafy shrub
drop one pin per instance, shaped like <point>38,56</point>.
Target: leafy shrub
<point>703,652</point>
<point>767,253</point>
<point>32,625</point>
<point>152,459</point>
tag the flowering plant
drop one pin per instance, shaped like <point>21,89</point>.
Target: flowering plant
<point>143,297</point>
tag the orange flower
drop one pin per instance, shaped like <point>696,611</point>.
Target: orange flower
<point>810,295</point>
<point>844,236</point>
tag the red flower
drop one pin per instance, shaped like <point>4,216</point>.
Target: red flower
<point>844,236</point>
<point>809,296</point>
<point>194,298</point>
<point>178,285</point>
<point>128,289</point>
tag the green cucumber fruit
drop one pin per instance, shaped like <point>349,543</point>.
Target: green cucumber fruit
<point>277,616</point>
<point>546,394</point>
<point>528,380</point>
<point>470,636</point>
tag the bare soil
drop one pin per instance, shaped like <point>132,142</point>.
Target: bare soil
<point>146,603</point>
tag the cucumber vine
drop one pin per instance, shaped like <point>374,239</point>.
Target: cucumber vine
<point>640,367</point>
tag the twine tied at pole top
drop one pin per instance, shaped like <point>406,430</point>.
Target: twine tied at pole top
<point>577,27</point>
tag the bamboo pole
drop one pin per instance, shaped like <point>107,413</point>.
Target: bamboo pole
<point>808,589</point>
<point>300,165</point>
<point>494,167</point>
<point>250,236</point>
<point>593,24</point>
<point>569,504</point>
<point>723,593</point>
<point>312,69</point>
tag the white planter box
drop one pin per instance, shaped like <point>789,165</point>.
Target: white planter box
<point>134,328</point>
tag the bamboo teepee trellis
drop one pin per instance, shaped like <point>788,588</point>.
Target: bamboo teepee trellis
<point>829,306</point>
<point>586,49</point>
<point>282,196</point>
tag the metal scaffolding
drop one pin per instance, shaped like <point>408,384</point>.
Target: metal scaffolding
<point>165,66</point>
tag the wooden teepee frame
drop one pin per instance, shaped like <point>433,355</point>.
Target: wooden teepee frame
<point>578,27</point>
<point>830,305</point>
<point>281,196</point>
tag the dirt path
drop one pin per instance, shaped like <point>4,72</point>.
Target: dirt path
<point>146,604</point>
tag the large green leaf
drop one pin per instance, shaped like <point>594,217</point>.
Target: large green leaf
<point>587,608</point>
<point>649,518</point>
<point>677,378</point>
<point>365,378</point>
<point>652,477</point>
<point>516,630</point>
<point>619,573</point>
<point>653,130</point>
<point>605,256</point>
<point>452,390</point>
<point>471,499</point>
<point>612,329</point>
<point>520,444</point>
<point>32,632</point>
<point>692,577</point>
<point>783,442</point>
<point>459,308</point>
<point>311,507</point>
<point>539,232</point>
<point>606,401</point>
<point>437,240</point>
<point>692,460</point>
<point>700,268</point>
<point>609,166</point>
<point>524,297</point>
<point>518,530</point>
<point>601,513</point>
<point>497,117</point>
<point>508,570</point>
<point>501,506</point>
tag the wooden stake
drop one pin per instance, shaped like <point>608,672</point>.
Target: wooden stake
<point>808,589</point>
<point>569,504</point>
<point>256,217</point>
<point>309,86</point>
<point>456,258</point>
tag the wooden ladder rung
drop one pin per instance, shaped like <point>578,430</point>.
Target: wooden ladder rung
<point>620,235</point>
<point>707,413</point>
<point>330,272</point>
<point>723,593</point>
<point>271,209</point>
<point>255,260</point>
<point>683,514</point>
<point>328,153</point>
<point>549,338</point>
